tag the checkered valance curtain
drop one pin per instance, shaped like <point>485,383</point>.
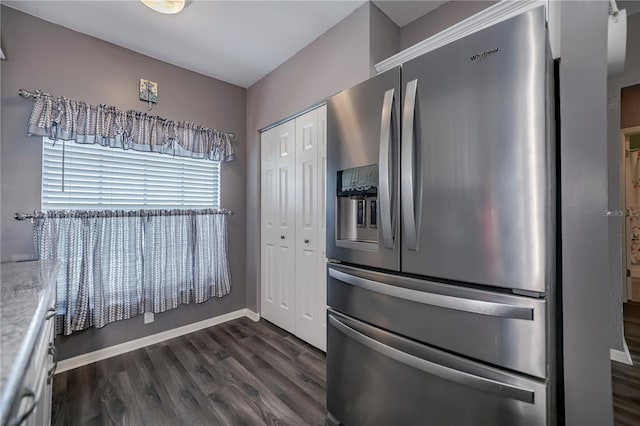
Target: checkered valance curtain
<point>62,118</point>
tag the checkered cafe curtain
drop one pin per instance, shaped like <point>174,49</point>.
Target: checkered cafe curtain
<point>115,265</point>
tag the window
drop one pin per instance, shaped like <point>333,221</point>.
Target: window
<point>100,178</point>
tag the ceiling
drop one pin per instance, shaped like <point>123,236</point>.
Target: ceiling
<point>402,12</point>
<point>234,41</point>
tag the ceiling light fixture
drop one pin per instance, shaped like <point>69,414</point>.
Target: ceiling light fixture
<point>165,6</point>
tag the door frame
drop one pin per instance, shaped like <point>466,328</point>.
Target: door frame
<point>627,281</point>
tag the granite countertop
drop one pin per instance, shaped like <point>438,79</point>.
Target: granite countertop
<point>25,290</point>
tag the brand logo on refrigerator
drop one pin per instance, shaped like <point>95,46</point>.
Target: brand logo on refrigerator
<point>483,55</point>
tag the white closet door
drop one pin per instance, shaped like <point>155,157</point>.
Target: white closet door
<point>307,228</point>
<point>293,252</point>
<point>278,226</point>
<point>322,228</point>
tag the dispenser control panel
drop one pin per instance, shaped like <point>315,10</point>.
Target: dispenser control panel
<point>357,205</point>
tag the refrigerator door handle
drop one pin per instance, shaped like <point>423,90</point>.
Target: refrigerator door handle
<point>481,307</point>
<point>408,192</point>
<point>495,387</point>
<point>386,135</point>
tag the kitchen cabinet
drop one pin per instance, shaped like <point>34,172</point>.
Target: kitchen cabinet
<point>293,254</point>
<point>34,407</point>
<point>28,351</point>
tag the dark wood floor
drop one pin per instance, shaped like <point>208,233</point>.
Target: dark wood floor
<point>626,378</point>
<point>237,373</point>
<point>242,373</point>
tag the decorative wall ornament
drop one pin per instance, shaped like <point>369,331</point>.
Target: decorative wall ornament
<point>148,92</point>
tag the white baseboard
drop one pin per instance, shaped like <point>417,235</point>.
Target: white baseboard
<point>254,316</point>
<point>623,356</point>
<point>132,345</point>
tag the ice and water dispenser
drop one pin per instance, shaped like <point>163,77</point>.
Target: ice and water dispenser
<point>357,206</point>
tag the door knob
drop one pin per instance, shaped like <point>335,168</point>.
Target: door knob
<point>306,241</point>
<point>282,237</point>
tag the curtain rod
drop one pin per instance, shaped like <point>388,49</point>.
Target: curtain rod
<point>146,213</point>
<point>36,94</point>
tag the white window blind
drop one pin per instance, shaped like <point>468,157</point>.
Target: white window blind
<point>99,178</point>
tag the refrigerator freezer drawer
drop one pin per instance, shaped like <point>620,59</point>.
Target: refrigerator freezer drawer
<point>377,378</point>
<point>500,329</point>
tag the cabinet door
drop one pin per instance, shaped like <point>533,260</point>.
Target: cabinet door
<point>278,226</point>
<point>307,227</point>
<point>322,229</point>
<point>36,382</point>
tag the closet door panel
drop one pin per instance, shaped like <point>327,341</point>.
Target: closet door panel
<point>269,223</point>
<point>307,216</point>
<point>321,262</point>
<point>278,226</point>
<point>285,143</point>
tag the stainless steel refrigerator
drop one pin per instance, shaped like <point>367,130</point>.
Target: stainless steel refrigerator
<point>441,235</point>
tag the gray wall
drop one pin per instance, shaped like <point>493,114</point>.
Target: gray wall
<point>340,58</point>
<point>630,77</point>
<point>384,35</point>
<point>439,19</point>
<point>583,115</point>
<point>45,56</point>
<point>336,60</point>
